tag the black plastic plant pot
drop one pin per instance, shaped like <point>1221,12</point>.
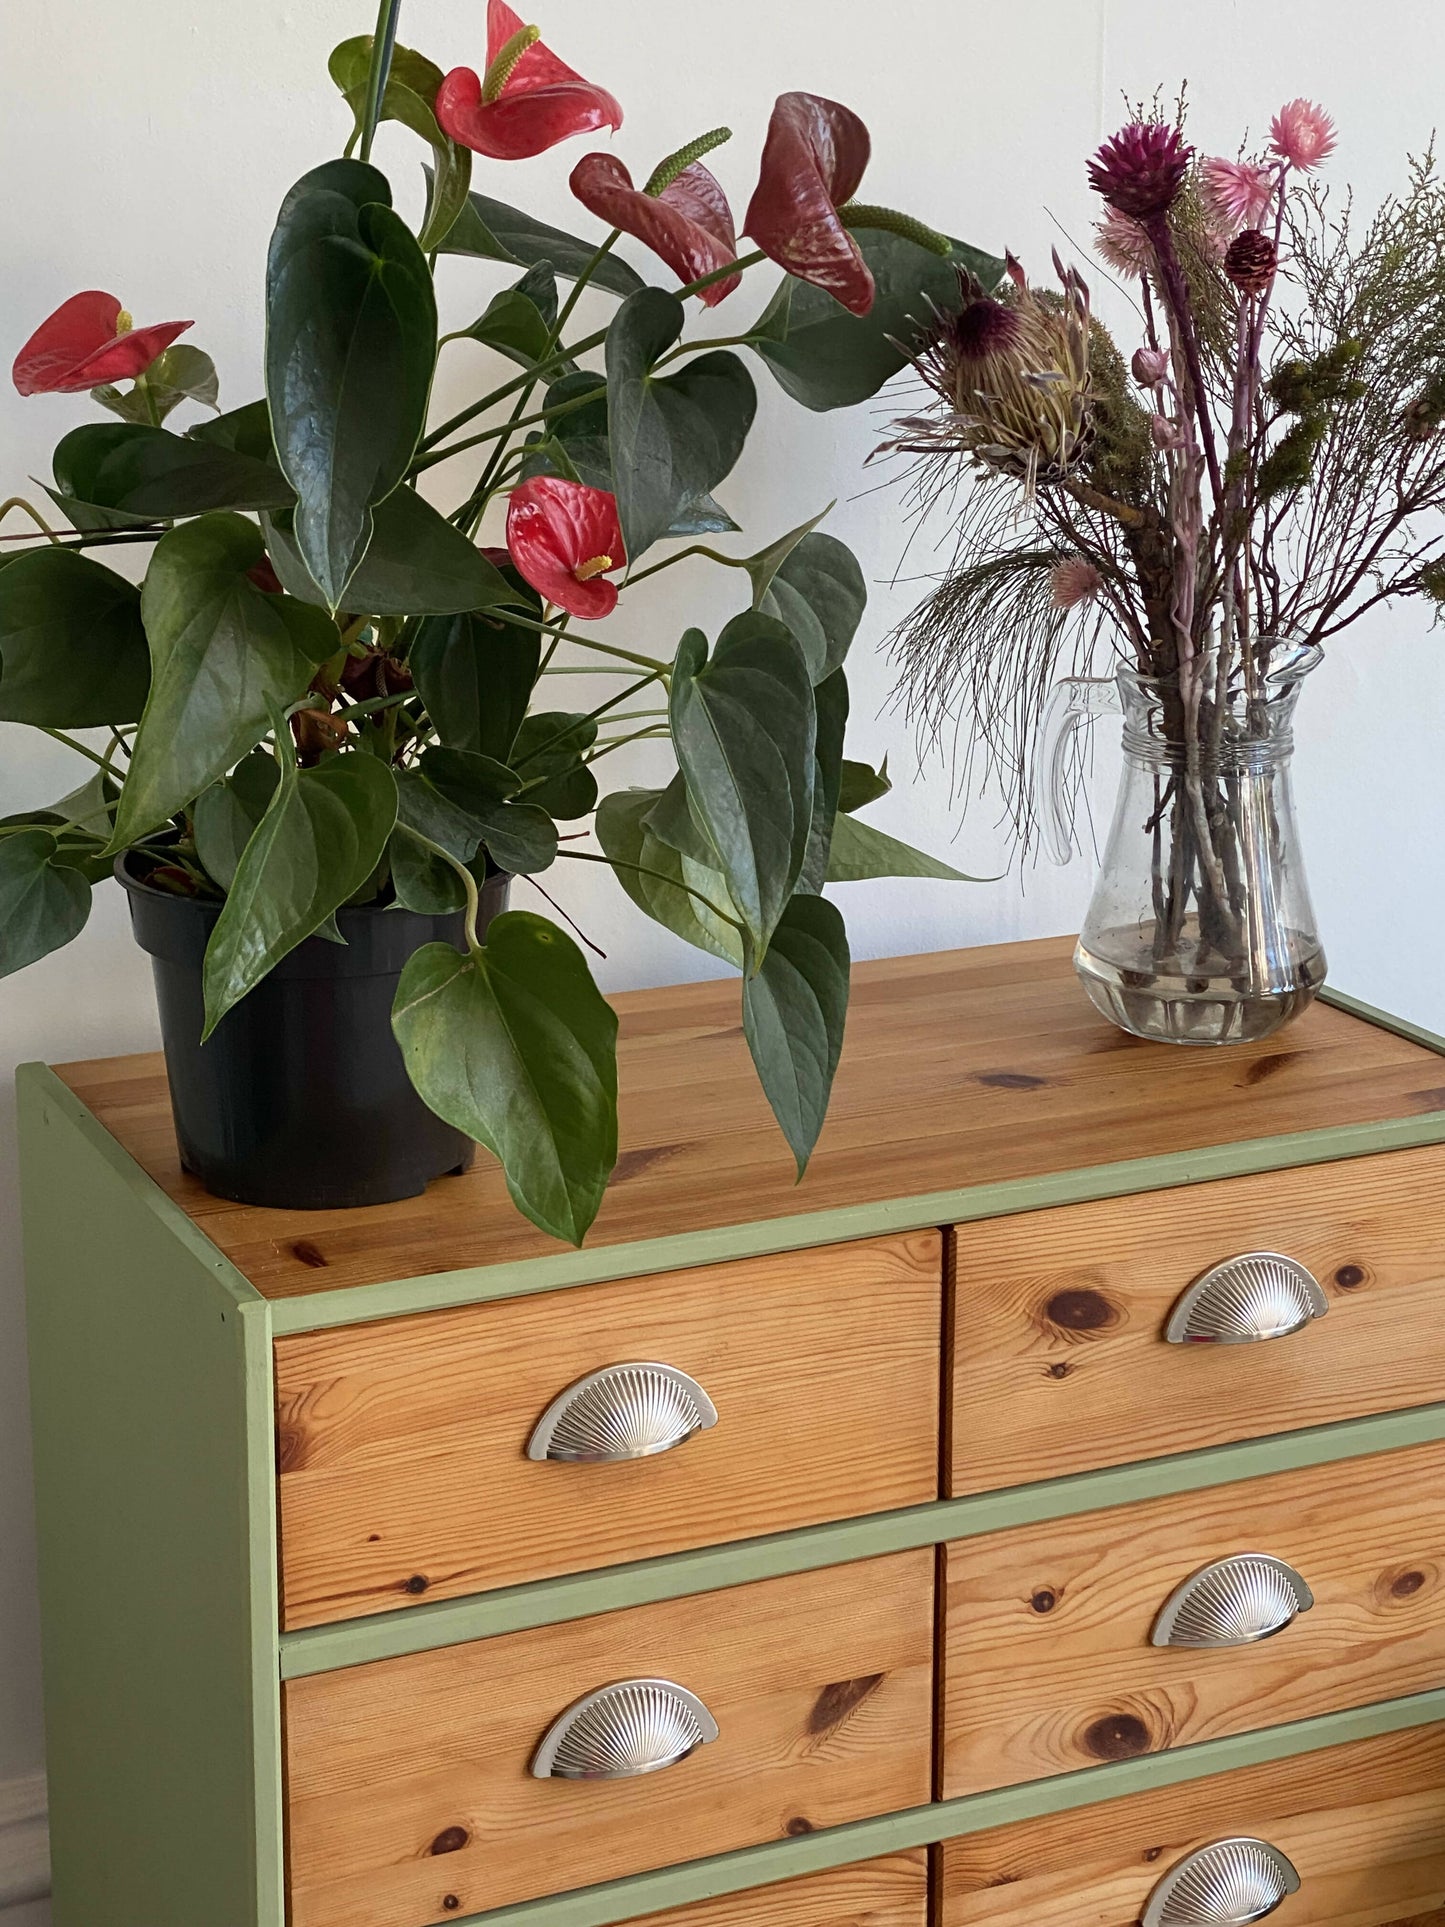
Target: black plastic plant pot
<point>300,1098</point>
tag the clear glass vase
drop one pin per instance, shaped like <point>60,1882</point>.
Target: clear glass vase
<point>1200,929</point>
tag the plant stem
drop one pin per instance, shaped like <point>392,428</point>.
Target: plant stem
<point>430,459</point>
<point>586,642</point>
<point>383,44</point>
<point>469,882</point>
<point>641,869</point>
<point>591,717</point>
<point>81,749</point>
<point>19,502</point>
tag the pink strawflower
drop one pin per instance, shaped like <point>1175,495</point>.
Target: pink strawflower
<point>1120,240</point>
<point>1074,581</point>
<point>1238,193</point>
<point>1150,366</point>
<point>1302,134</point>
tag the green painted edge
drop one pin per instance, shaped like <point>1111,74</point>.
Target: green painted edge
<point>264,1537</point>
<point>360,1304</point>
<point>41,1081</point>
<point>642,1894</point>
<point>547,1602</point>
<point>1383,1019</point>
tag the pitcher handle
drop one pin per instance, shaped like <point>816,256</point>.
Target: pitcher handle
<point>1074,702</point>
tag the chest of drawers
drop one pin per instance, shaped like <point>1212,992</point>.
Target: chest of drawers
<point>886,1551</point>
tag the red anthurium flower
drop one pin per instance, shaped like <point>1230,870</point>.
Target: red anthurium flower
<point>689,224</point>
<point>88,341</point>
<point>564,538</point>
<point>813,160</point>
<point>526,101</point>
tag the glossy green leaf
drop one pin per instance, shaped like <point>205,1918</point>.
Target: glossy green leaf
<point>660,879</point>
<point>223,654</point>
<point>410,97</point>
<point>518,321</point>
<point>744,726</point>
<point>350,348</point>
<point>320,839</point>
<point>247,430</point>
<point>673,437</point>
<point>819,592</point>
<point>763,566</point>
<point>862,784</point>
<point>416,564</point>
<point>423,881</point>
<point>476,673</point>
<point>43,903</point>
<point>825,357</point>
<point>794,1011</point>
<point>831,700</point>
<point>180,373</point>
<point>72,649</point>
<point>547,755</point>
<point>152,475</point>
<point>497,232</point>
<point>515,1045</point>
<point>519,837</point>
<point>225,816</point>
<point>859,851</point>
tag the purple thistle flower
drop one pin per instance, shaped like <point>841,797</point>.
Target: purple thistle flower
<point>1141,170</point>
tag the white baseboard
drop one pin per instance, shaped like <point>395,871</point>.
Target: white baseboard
<point>24,1845</point>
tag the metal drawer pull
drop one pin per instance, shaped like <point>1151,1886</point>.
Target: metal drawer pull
<point>623,1412</point>
<point>1225,1884</point>
<point>1233,1602</point>
<point>1258,1295</point>
<point>635,1726</point>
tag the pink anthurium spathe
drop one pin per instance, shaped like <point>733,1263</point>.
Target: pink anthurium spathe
<point>89,341</point>
<point>565,539</point>
<point>688,224</point>
<point>526,101</point>
<point>813,160</point>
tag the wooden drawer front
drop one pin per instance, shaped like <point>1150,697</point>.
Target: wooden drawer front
<point>877,1893</point>
<point>1363,1825</point>
<point>1047,1654</point>
<point>1060,1362</point>
<point>403,1444</point>
<point>410,1798</point>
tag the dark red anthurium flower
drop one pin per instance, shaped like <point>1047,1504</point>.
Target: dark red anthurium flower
<point>689,224</point>
<point>564,539</point>
<point>86,342</point>
<point>813,160</point>
<point>526,101</point>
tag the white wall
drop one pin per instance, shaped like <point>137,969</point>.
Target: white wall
<point>144,149</point>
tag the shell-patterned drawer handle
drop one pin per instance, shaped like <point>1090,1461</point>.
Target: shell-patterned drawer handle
<point>1258,1295</point>
<point>626,1411</point>
<point>1233,1602</point>
<point>617,1732</point>
<point>1224,1884</point>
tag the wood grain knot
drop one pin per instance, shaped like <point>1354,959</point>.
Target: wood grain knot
<point>450,1840</point>
<point>1081,1310</point>
<point>841,1700</point>
<point>417,1583</point>
<point>1402,1582</point>
<point>1044,1600</point>
<point>1059,1369</point>
<point>451,1903</point>
<point>1152,1853</point>
<point>1011,1080</point>
<point>1117,1736</point>
<point>797,1826</point>
<point>290,1450</point>
<point>1348,1277</point>
<point>310,1254</point>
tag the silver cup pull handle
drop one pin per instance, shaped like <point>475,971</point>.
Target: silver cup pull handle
<point>1226,1884</point>
<point>632,1727</point>
<point>1258,1295</point>
<point>629,1411</point>
<point>1233,1602</point>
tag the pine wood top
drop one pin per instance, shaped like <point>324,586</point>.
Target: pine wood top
<point>967,1067</point>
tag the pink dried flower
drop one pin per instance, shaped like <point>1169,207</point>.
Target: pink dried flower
<point>1141,170</point>
<point>1166,433</point>
<point>1121,241</point>
<point>1302,134</point>
<point>983,327</point>
<point>1238,193</point>
<point>1150,366</point>
<point>1074,581</point>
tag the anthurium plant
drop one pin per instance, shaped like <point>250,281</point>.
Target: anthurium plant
<point>326,692</point>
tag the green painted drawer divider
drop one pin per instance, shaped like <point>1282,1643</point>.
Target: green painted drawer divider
<point>545,1602</point>
<point>623,1900</point>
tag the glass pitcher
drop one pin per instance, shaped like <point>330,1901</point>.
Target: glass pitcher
<point>1200,929</point>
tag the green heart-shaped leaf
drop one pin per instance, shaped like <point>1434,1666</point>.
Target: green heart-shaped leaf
<point>476,673</point>
<point>223,654</point>
<point>662,881</point>
<point>674,437</point>
<point>518,321</point>
<point>825,357</point>
<point>247,430</point>
<point>497,232</point>
<point>320,839</point>
<point>410,97</point>
<point>415,564</point>
<point>350,347</point>
<point>43,903</point>
<point>547,755</point>
<point>794,1011</point>
<point>859,851</point>
<point>179,373</point>
<point>520,837</point>
<point>818,591</point>
<point>72,649</point>
<point>225,816</point>
<point>515,1045</point>
<point>831,700</point>
<point>744,725</point>
<point>149,474</point>
<point>861,785</point>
